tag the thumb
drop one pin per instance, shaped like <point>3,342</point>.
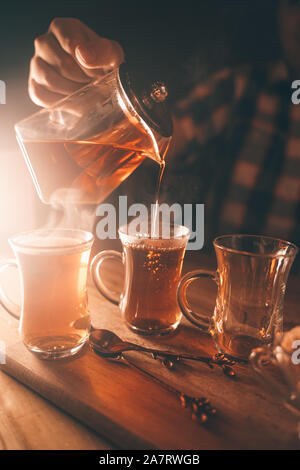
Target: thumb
<point>99,53</point>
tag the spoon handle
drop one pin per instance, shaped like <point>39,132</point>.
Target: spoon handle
<point>169,358</point>
<point>168,354</point>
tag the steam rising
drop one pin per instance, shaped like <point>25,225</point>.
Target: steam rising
<point>67,214</point>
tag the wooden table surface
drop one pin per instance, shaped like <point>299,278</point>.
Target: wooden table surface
<point>248,413</point>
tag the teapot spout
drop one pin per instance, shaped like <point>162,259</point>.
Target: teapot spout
<point>160,146</point>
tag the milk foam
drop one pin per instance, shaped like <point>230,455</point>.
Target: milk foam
<point>59,240</point>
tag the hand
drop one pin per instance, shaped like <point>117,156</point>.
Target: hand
<point>68,56</point>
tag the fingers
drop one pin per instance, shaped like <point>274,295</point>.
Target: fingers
<point>67,57</point>
<point>81,42</point>
<point>48,49</point>
<point>41,96</point>
<point>46,75</point>
<point>71,32</point>
<point>53,73</point>
<point>101,53</point>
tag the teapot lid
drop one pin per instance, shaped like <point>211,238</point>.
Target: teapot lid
<point>148,99</point>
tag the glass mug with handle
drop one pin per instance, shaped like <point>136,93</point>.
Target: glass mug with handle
<point>153,265</point>
<point>251,278</point>
<point>285,357</point>
<point>53,266</point>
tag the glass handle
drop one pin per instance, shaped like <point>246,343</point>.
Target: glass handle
<point>202,321</point>
<point>96,263</point>
<point>11,307</point>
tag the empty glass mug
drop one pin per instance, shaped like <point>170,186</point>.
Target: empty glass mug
<point>53,264</point>
<point>152,272</point>
<point>251,277</point>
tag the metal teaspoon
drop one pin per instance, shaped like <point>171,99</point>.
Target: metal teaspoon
<point>109,345</point>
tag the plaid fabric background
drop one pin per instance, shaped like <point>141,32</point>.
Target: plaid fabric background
<point>241,152</point>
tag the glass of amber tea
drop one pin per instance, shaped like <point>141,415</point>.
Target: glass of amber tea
<point>53,266</point>
<point>153,265</point>
<point>251,277</point>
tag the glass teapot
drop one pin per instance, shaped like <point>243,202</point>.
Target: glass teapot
<point>80,149</point>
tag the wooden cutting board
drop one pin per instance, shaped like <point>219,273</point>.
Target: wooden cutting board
<point>132,411</point>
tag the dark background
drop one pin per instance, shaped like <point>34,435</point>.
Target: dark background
<point>180,42</point>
